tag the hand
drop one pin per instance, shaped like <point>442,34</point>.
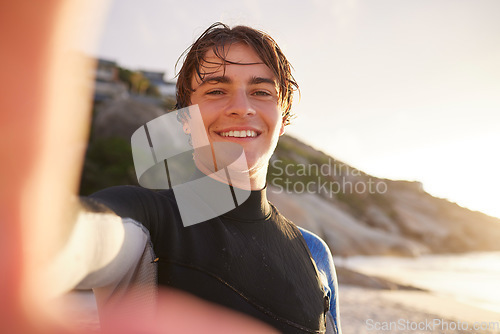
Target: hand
<point>45,114</point>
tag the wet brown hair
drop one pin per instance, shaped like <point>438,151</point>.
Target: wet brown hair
<point>220,36</point>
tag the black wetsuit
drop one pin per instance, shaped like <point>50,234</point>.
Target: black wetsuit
<point>251,259</point>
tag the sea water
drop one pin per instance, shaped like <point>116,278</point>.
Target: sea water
<point>473,278</point>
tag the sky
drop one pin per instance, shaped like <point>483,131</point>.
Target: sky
<point>400,89</point>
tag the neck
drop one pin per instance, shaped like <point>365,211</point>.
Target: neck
<point>258,178</point>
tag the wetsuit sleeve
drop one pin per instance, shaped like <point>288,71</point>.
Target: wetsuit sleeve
<point>324,262</point>
<point>106,242</point>
<point>133,202</point>
<point>143,205</point>
<point>140,211</point>
<point>101,248</point>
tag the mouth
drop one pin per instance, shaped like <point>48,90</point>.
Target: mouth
<point>239,133</point>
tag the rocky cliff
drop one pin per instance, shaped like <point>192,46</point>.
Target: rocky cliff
<point>357,213</point>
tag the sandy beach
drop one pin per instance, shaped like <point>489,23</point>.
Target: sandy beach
<point>386,311</point>
<point>363,311</point>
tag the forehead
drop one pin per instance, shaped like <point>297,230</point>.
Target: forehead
<point>234,53</point>
<point>239,54</point>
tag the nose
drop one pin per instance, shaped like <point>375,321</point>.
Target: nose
<point>240,105</point>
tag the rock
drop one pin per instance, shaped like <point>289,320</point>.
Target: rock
<point>344,234</point>
<point>351,277</point>
<point>120,118</point>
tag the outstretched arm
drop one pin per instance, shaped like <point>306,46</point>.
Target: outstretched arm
<point>101,249</point>
<point>45,112</point>
<point>45,109</point>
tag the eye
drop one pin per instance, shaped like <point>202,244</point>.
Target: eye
<point>262,93</point>
<point>215,92</point>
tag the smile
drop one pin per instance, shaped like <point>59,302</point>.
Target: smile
<point>239,134</point>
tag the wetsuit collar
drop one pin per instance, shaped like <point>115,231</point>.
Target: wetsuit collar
<point>255,208</point>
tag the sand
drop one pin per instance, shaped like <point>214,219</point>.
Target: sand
<point>362,310</point>
<point>386,311</point>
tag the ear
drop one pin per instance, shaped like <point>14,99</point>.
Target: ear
<point>282,129</point>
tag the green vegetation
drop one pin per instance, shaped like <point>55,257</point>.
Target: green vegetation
<point>137,82</point>
<point>108,162</point>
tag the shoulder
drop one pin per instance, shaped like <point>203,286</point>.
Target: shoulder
<point>319,250</point>
<point>317,247</point>
<point>324,262</point>
<point>123,191</point>
<point>322,256</point>
<point>141,204</point>
<point>130,194</point>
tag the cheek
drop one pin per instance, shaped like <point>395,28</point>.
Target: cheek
<point>275,120</point>
<point>208,114</point>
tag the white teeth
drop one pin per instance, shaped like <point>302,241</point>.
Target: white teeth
<point>239,134</point>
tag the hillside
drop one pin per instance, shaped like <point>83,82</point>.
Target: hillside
<point>354,212</point>
<point>357,213</point>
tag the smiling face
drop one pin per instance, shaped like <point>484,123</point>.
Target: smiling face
<point>238,102</point>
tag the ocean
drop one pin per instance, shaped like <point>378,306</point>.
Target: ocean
<point>472,278</point>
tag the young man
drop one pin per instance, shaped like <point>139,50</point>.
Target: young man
<point>250,259</point>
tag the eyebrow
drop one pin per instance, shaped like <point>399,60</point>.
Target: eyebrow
<point>226,80</point>
<point>259,80</point>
